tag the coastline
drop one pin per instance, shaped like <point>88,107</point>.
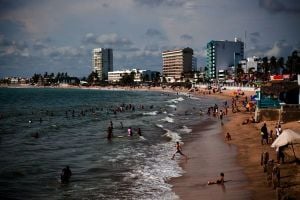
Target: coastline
<point>245,151</point>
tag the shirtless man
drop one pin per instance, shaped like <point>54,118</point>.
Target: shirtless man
<point>178,150</point>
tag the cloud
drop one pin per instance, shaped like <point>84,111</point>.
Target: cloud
<point>11,47</point>
<point>107,40</point>
<point>255,34</point>
<point>276,6</point>
<point>278,49</point>
<point>254,37</point>
<point>156,3</point>
<point>154,33</point>
<point>151,47</point>
<point>151,32</point>
<point>11,28</point>
<point>186,37</point>
<point>9,5</point>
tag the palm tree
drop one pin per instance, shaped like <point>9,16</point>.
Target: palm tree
<point>272,65</point>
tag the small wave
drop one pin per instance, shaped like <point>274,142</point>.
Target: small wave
<point>176,100</point>
<point>172,106</point>
<point>150,178</point>
<point>185,129</point>
<point>172,135</point>
<point>168,119</point>
<point>151,113</point>
<point>159,125</point>
<point>142,138</point>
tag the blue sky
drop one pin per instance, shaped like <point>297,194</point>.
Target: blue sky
<point>59,35</point>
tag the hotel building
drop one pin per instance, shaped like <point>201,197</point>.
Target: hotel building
<point>102,62</point>
<point>176,63</point>
<point>222,55</point>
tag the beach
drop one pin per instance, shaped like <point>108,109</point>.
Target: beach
<point>238,158</point>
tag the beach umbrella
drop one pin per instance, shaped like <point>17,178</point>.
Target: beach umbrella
<point>287,137</point>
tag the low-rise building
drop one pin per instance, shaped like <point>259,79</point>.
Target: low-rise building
<point>139,75</point>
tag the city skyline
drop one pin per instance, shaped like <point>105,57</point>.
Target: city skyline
<point>58,36</point>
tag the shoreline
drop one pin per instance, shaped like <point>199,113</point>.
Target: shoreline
<point>208,156</point>
<point>245,141</point>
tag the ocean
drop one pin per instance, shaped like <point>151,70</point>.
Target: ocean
<point>42,130</point>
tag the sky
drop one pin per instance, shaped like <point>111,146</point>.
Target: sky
<point>38,36</point>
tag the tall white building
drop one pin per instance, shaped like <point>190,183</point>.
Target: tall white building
<point>102,62</point>
<point>221,55</point>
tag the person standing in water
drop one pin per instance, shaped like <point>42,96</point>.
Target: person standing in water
<point>109,133</point>
<point>139,132</point>
<point>129,131</point>
<point>178,150</point>
<point>66,174</point>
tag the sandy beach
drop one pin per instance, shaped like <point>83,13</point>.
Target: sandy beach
<point>239,159</point>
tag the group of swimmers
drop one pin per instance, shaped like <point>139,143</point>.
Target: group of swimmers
<point>129,130</point>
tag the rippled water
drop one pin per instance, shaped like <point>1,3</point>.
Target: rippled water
<point>124,168</point>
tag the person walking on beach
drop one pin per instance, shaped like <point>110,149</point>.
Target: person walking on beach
<point>264,134</point>
<point>278,130</point>
<point>178,150</point>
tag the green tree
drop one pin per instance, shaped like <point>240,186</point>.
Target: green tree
<point>127,79</point>
<point>293,63</point>
<point>280,65</point>
<point>93,78</point>
<point>272,65</point>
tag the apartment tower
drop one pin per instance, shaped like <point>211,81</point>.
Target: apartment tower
<point>223,55</point>
<point>102,62</point>
<point>176,63</point>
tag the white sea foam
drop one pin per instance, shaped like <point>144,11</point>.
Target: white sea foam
<point>168,119</point>
<point>159,125</point>
<point>151,113</point>
<point>175,100</point>
<point>172,106</point>
<point>150,178</point>
<point>172,135</point>
<point>185,129</point>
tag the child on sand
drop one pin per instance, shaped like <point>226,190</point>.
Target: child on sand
<point>228,136</point>
<point>218,181</point>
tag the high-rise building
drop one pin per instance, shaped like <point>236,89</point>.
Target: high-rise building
<point>194,64</point>
<point>102,62</point>
<point>221,55</point>
<point>177,62</point>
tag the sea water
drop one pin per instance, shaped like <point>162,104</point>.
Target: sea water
<point>42,130</point>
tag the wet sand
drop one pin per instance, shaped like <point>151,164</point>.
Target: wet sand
<point>239,159</point>
<point>208,156</point>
